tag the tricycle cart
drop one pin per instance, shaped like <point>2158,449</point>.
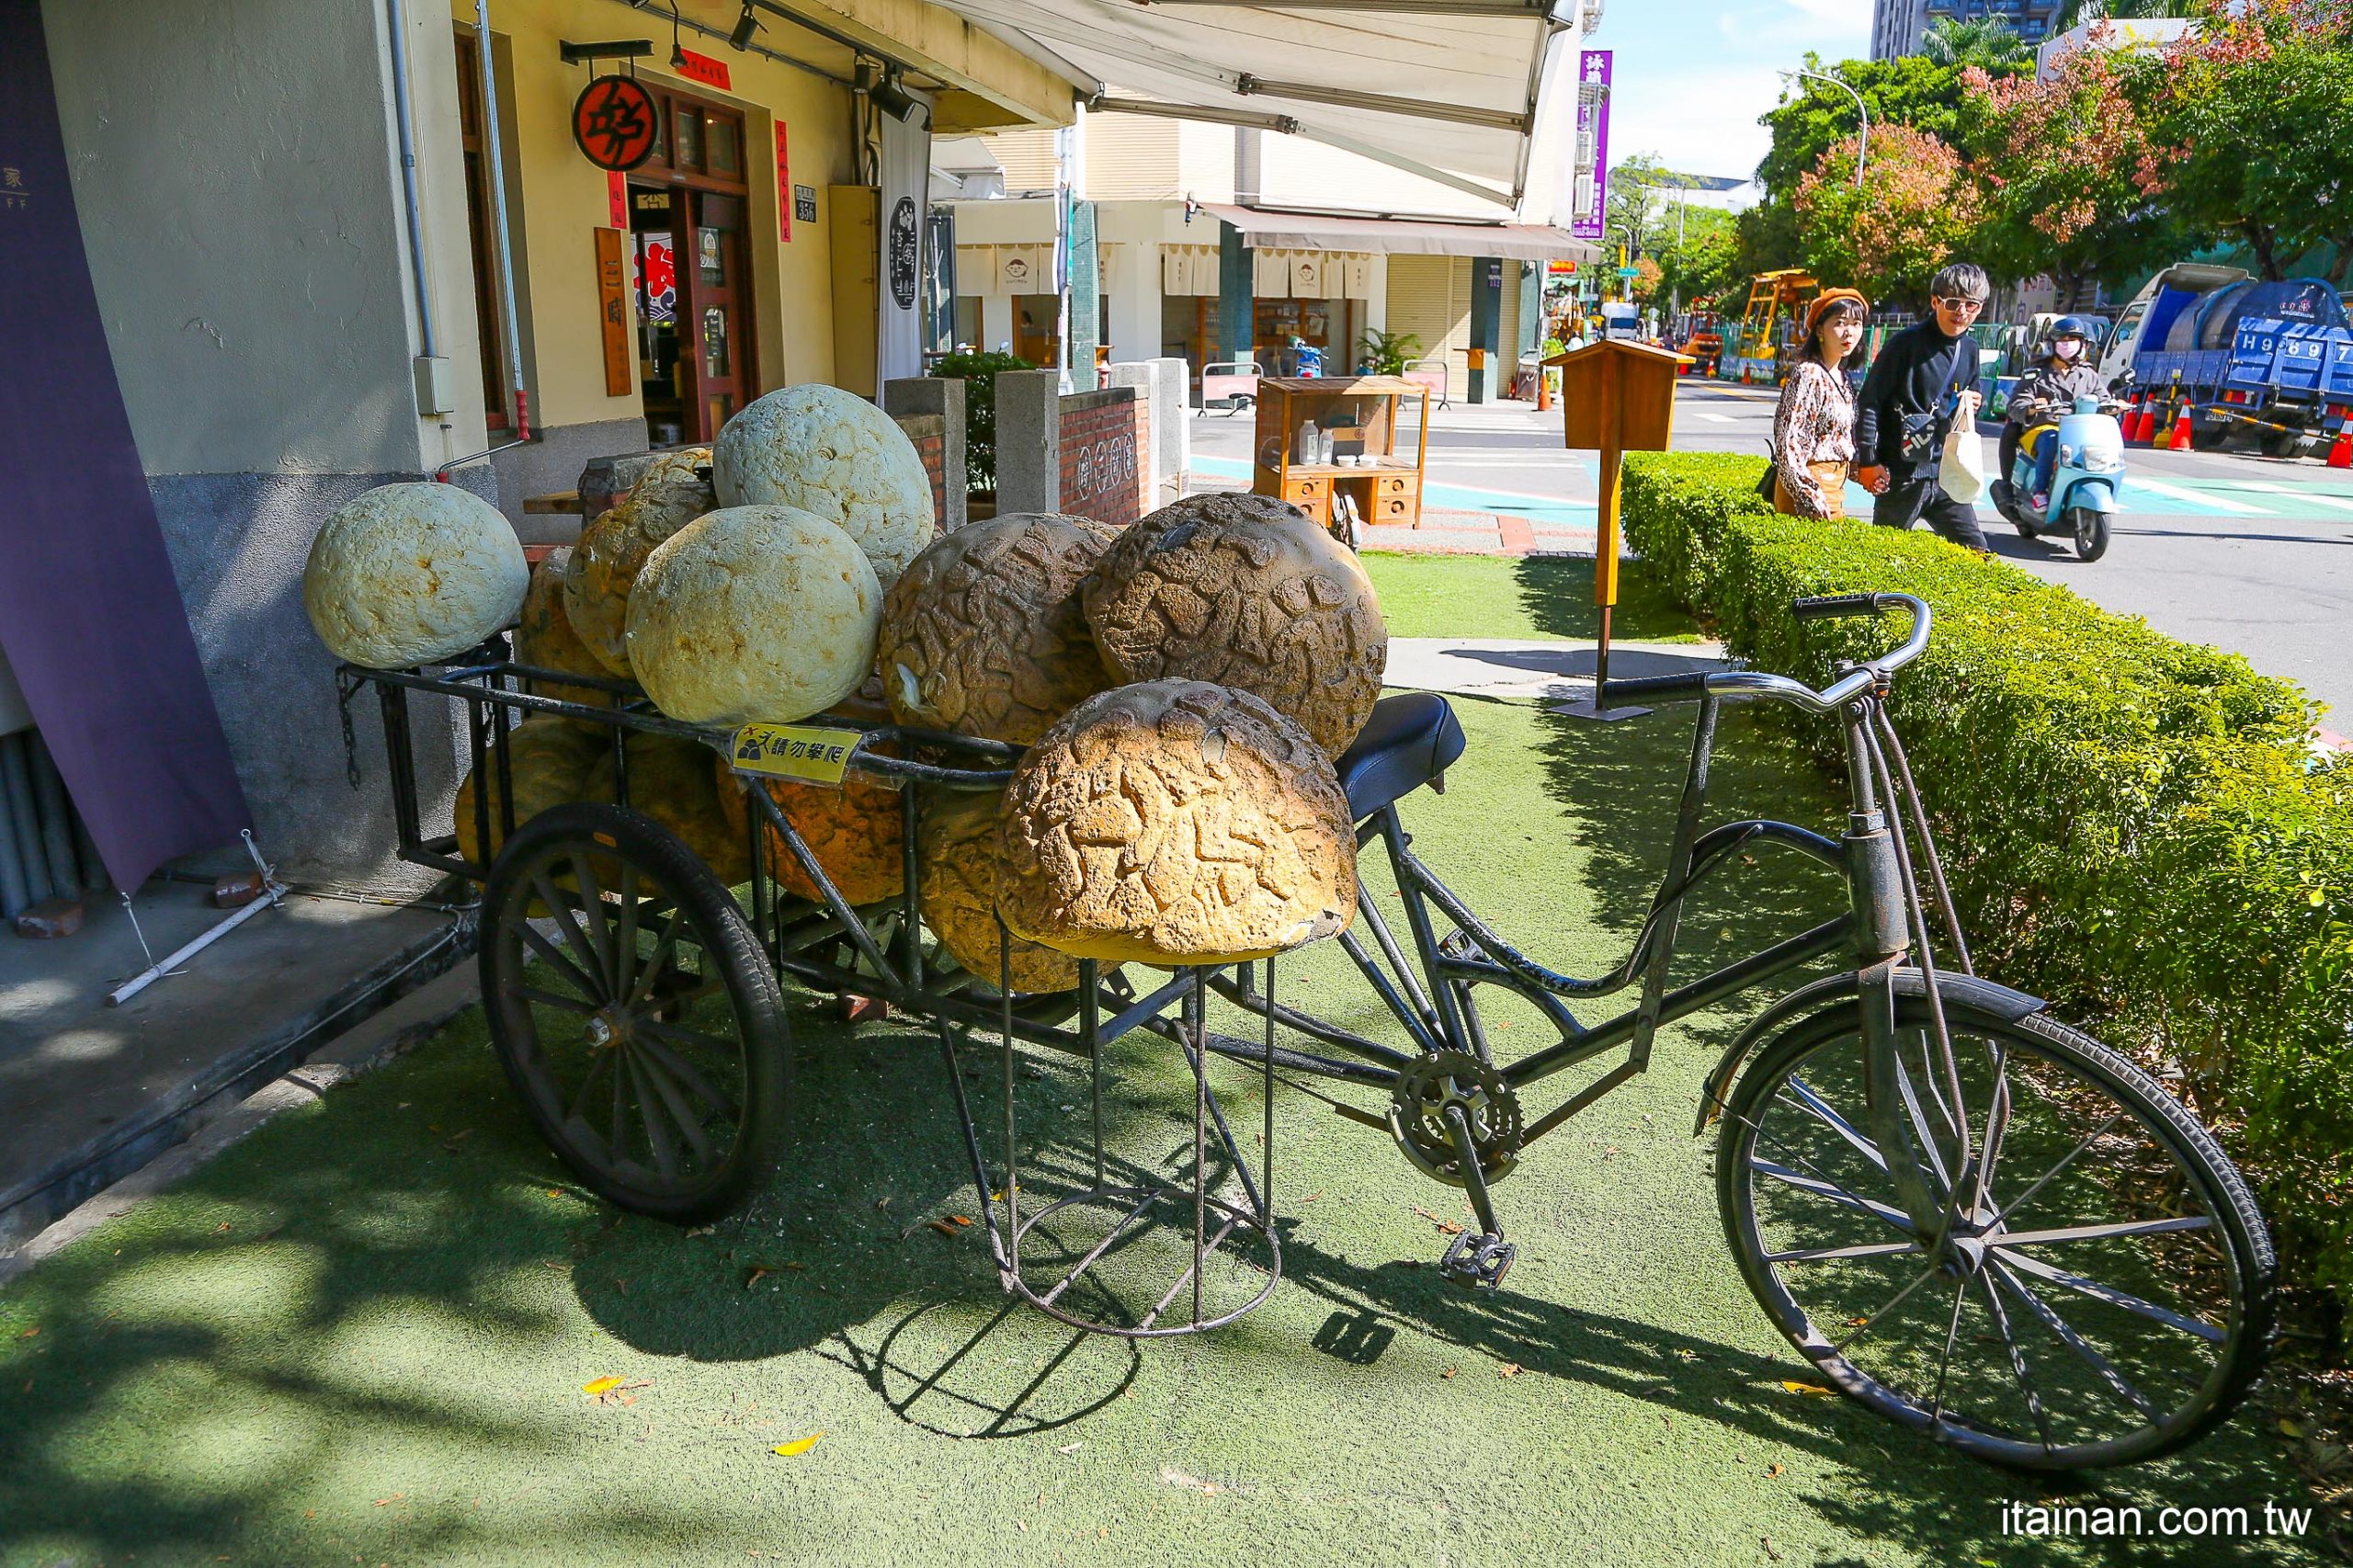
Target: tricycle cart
<point>1970,1218</point>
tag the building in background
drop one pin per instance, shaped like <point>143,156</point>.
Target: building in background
<point>1897,25</point>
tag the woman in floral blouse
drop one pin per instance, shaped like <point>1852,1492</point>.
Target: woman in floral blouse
<point>1814,432</point>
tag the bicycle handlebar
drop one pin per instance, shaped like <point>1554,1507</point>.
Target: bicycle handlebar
<point>1737,684</point>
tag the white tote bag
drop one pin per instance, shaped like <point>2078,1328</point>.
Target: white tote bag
<point>1962,472</point>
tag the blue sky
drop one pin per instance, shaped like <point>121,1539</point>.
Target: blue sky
<point>1690,79</point>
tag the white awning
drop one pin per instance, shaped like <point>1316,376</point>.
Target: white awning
<point>1401,236</point>
<point>1452,90</point>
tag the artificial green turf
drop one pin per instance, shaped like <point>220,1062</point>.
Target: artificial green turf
<point>1495,595</point>
<point>362,1334</point>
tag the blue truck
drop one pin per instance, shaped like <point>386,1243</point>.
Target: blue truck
<point>2272,362</point>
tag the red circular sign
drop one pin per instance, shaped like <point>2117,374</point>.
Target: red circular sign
<point>615,121</point>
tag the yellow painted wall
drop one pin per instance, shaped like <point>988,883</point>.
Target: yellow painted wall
<point>563,199</point>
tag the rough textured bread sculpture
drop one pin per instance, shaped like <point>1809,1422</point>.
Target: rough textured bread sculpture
<point>1176,822</point>
<point>670,780</point>
<point>984,634</point>
<point>409,575</point>
<point>672,491</point>
<point>547,759</point>
<point>753,612</point>
<point>1245,591</point>
<point>854,831</point>
<point>544,639</point>
<point>833,453</point>
<point>961,844</point>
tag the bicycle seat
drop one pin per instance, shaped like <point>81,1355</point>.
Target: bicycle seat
<point>1409,740</point>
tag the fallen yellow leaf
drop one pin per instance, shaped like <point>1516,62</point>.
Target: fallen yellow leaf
<point>798,1446</point>
<point>1449,1372</point>
<point>942,1226</point>
<point>959,1219</point>
<point>1772,1469</point>
<point>602,1385</point>
<point>1511,1370</point>
<point>30,1332</point>
<point>1803,1388</point>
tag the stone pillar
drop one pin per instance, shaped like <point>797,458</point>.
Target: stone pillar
<point>1171,438</point>
<point>942,396</point>
<point>1028,441</point>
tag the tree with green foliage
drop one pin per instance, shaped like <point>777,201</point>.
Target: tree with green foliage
<point>1915,209</point>
<point>1977,43</point>
<point>1700,258</point>
<point>1912,91</point>
<point>2248,128</point>
<point>979,371</point>
<point>2060,161</point>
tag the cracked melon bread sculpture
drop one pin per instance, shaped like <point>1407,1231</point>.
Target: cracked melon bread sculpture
<point>1245,591</point>
<point>408,574</point>
<point>544,639</point>
<point>834,454</point>
<point>1173,822</point>
<point>674,491</point>
<point>753,613</point>
<point>961,845</point>
<point>984,634</point>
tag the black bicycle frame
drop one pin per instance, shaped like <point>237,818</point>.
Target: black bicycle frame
<point>1437,1005</point>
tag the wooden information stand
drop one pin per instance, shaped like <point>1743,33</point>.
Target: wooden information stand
<point>1616,397</point>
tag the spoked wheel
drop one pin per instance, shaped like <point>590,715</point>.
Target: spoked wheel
<point>632,1007</point>
<point>2099,1289</point>
<point>2088,526</point>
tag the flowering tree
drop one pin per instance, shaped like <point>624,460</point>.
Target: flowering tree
<point>2066,166</point>
<point>2248,128</point>
<point>1918,205</point>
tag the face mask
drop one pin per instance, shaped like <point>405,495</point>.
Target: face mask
<point>2067,348</point>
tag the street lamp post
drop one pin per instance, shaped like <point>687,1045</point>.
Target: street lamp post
<point>1863,138</point>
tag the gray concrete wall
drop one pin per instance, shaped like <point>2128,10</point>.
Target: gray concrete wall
<point>1162,383</point>
<point>551,462</point>
<point>230,537</point>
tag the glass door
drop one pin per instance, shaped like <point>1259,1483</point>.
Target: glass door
<point>722,373</point>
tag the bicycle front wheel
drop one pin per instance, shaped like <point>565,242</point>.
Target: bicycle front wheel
<point>2098,1288</point>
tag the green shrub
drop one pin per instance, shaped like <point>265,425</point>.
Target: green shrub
<point>978,372</point>
<point>2138,828</point>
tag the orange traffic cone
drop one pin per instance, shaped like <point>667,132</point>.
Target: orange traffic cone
<point>2341,454</point>
<point>2136,421</point>
<point>2144,434</point>
<point>2180,441</point>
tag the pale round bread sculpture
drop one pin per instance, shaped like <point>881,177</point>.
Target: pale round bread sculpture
<point>548,760</point>
<point>411,574</point>
<point>854,832</point>
<point>833,453</point>
<point>670,780</point>
<point>544,639</point>
<point>960,846</point>
<point>1173,821</point>
<point>672,491</point>
<point>753,612</point>
<point>984,634</point>
<point>1245,591</point>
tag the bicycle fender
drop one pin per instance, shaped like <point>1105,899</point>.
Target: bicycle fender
<point>1960,990</point>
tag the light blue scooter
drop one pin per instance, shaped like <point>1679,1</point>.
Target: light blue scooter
<point>2082,489</point>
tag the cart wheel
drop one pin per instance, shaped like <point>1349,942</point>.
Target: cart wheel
<point>633,1011</point>
<point>2100,1292</point>
<point>2088,525</point>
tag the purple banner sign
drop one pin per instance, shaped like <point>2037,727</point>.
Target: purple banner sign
<point>90,616</point>
<point>1590,191</point>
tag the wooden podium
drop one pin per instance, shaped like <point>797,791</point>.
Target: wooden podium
<point>1616,397</point>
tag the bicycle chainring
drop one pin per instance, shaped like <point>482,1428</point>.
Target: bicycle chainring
<point>1418,1116</point>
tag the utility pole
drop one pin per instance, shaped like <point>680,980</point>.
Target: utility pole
<point>1863,138</point>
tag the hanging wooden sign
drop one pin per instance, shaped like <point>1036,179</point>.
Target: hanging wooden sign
<point>612,305</point>
<point>615,121</point>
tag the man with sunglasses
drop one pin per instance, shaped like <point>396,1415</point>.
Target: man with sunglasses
<point>1923,381</point>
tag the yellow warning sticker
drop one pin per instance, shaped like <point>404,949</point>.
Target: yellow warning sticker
<point>810,753</point>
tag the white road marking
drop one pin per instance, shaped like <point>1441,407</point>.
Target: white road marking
<point>2321,496</point>
<point>2197,498</point>
<point>1711,416</point>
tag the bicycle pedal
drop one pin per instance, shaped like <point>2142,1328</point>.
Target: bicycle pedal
<point>1477,1261</point>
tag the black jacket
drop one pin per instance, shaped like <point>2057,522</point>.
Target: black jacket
<point>1914,377</point>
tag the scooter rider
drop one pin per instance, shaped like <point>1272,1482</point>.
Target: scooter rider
<point>2044,395</point>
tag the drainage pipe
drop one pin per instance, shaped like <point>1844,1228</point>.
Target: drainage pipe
<point>497,181</point>
<point>408,176</point>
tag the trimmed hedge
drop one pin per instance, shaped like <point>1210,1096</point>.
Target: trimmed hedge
<point>2137,828</point>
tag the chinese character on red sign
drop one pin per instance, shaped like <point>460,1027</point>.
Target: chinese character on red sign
<point>614,121</point>
<point>783,188</point>
<point>702,68</point>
